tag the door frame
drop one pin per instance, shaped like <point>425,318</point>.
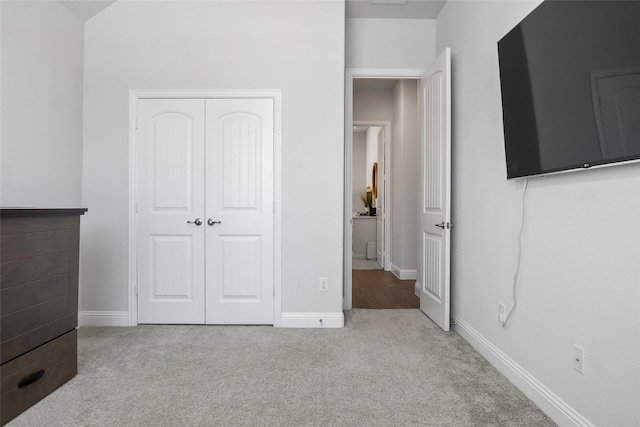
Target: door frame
<point>273,94</point>
<point>386,129</point>
<point>358,73</point>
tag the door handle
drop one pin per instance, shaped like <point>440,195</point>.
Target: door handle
<point>443,225</point>
<point>211,221</point>
<point>197,221</point>
<point>31,379</point>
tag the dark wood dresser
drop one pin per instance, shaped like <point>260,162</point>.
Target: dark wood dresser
<point>38,304</point>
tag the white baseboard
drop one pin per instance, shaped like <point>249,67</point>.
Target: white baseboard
<point>312,320</point>
<point>289,320</point>
<point>103,318</point>
<point>407,274</point>
<point>417,289</point>
<point>557,409</point>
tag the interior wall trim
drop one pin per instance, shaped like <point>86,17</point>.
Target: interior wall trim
<point>312,320</point>
<point>556,408</point>
<point>404,274</point>
<point>350,74</point>
<point>276,96</point>
<point>103,318</point>
<point>388,213</point>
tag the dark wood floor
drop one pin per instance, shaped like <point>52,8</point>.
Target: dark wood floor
<point>381,289</point>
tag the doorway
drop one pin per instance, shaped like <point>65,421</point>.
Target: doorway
<point>375,276</point>
<point>371,183</point>
<point>428,182</point>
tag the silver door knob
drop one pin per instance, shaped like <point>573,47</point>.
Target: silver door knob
<point>444,225</point>
<point>211,221</point>
<point>197,221</point>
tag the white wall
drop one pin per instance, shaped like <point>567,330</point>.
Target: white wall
<point>297,47</point>
<point>580,272</point>
<point>41,105</point>
<point>390,43</point>
<point>404,192</point>
<point>373,105</point>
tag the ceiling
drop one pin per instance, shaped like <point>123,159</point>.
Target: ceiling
<point>398,9</point>
<point>86,9</point>
<point>374,84</point>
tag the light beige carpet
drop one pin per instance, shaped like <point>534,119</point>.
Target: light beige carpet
<point>384,368</point>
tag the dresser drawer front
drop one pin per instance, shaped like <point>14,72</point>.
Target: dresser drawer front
<point>39,287</point>
<point>32,376</point>
<point>16,273</point>
<point>32,293</point>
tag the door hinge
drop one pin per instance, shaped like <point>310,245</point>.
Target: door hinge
<point>274,291</point>
<point>274,206</point>
<point>136,207</point>
<point>137,278</point>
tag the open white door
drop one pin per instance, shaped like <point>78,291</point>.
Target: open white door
<point>434,247</point>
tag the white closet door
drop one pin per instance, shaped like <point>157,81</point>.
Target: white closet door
<point>239,211</point>
<point>169,197</point>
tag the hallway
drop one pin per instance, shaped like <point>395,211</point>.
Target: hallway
<point>382,289</point>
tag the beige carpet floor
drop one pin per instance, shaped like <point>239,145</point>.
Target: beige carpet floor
<point>384,368</point>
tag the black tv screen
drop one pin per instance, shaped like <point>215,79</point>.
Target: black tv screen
<point>570,80</point>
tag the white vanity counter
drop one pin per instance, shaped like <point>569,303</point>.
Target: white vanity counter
<point>364,230</point>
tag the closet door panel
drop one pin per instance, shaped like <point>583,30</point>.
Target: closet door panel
<point>239,210</point>
<point>170,197</point>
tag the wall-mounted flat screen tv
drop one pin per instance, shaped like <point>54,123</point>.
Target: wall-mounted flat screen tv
<point>570,80</point>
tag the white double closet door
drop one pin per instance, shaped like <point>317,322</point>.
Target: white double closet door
<point>204,211</point>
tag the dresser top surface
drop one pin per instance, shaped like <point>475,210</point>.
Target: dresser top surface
<point>12,212</point>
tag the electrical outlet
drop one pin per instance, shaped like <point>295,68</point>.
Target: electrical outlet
<point>323,284</point>
<point>502,310</point>
<point>578,359</point>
